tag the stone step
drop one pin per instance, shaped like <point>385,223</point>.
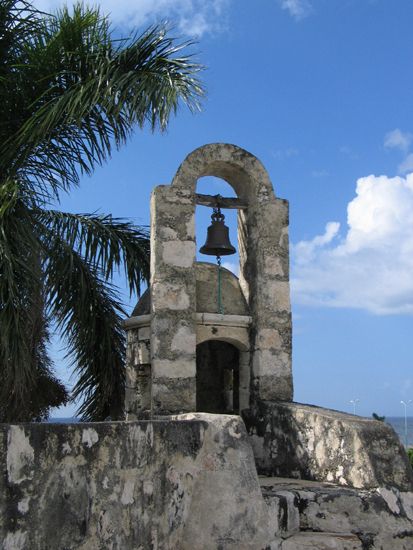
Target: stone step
<point>381,518</point>
<point>322,541</point>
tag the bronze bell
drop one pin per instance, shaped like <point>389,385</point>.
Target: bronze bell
<point>218,243</point>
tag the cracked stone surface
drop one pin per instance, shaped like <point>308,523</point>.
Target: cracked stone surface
<point>187,483</point>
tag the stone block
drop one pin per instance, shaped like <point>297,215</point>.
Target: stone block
<point>284,514</point>
<point>169,296</point>
<point>268,338</point>
<point>184,340</point>
<point>179,253</point>
<point>172,395</point>
<point>181,368</point>
<point>273,387</point>
<point>275,294</point>
<point>144,333</point>
<point>267,362</point>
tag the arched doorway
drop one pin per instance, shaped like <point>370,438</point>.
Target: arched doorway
<point>217,377</point>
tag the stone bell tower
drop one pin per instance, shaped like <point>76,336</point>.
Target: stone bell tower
<point>182,354</point>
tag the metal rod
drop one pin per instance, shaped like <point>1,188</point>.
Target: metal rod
<point>220,306</point>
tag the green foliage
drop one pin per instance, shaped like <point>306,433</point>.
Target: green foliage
<point>69,93</point>
<point>378,417</point>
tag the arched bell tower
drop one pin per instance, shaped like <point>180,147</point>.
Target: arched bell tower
<point>165,380</point>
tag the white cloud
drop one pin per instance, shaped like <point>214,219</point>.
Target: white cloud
<point>299,9</point>
<point>396,139</point>
<point>192,17</point>
<point>370,266</point>
<point>305,251</point>
<point>406,165</point>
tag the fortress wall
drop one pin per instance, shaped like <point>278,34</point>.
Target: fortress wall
<point>185,483</point>
<point>303,441</point>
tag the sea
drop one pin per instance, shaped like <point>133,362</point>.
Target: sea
<point>397,422</point>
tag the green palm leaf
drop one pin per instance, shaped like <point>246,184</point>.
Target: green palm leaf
<point>28,388</point>
<point>106,243</point>
<point>88,312</point>
<point>77,92</point>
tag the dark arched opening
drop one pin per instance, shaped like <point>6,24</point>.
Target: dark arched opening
<point>217,377</point>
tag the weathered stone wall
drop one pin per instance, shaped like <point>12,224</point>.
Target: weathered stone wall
<point>302,441</point>
<point>323,516</point>
<point>170,484</point>
<point>173,300</point>
<point>264,278</point>
<point>233,329</point>
<point>138,370</point>
<point>264,275</point>
<point>264,259</point>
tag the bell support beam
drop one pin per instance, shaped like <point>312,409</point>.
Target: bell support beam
<point>223,202</point>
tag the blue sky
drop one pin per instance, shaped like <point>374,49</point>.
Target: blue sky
<point>322,92</point>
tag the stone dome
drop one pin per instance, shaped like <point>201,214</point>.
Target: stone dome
<point>207,292</point>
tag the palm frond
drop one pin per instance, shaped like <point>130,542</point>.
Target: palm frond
<point>77,93</point>
<point>106,243</point>
<point>88,313</point>
<point>24,364</point>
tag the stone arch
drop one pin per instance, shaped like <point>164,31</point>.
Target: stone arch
<point>264,274</point>
<point>242,170</point>
<point>239,343</point>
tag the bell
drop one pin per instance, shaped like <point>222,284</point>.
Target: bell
<point>217,243</point>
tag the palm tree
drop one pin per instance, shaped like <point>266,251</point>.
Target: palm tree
<point>69,94</point>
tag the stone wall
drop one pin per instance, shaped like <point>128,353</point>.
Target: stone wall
<point>189,483</point>
<point>302,441</point>
<point>138,371</point>
<point>264,278</point>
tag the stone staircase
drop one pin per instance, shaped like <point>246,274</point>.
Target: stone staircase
<point>323,516</point>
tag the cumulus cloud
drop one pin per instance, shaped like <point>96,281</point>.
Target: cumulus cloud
<point>370,264</point>
<point>396,139</point>
<point>299,9</point>
<point>193,17</point>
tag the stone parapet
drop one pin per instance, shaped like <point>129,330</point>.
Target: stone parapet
<point>183,484</point>
<point>302,441</point>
